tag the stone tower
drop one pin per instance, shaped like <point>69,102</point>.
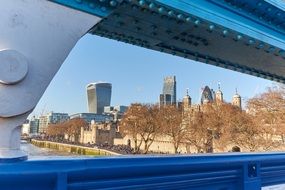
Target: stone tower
<point>237,100</point>
<point>186,108</point>
<point>219,94</point>
<point>186,101</point>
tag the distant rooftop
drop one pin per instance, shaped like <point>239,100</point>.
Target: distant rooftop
<point>96,83</point>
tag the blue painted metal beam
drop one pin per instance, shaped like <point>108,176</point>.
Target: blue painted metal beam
<point>215,172</point>
<point>228,16</point>
<point>241,35</point>
<point>101,8</point>
<point>228,34</point>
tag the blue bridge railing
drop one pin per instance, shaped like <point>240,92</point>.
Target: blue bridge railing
<point>214,172</point>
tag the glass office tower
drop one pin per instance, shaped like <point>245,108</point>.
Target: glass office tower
<point>168,95</point>
<point>99,96</point>
<point>207,95</point>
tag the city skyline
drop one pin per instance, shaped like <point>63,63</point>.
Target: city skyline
<point>136,74</point>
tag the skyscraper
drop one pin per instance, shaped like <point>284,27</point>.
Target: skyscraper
<point>99,96</point>
<point>207,95</point>
<point>168,95</point>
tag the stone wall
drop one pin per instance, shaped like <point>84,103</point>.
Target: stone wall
<point>72,148</point>
<point>99,134</point>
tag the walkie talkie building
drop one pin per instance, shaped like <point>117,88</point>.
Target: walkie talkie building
<point>99,96</point>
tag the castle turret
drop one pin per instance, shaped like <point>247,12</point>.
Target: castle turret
<point>186,100</point>
<point>82,135</point>
<point>219,95</point>
<point>186,108</point>
<point>237,100</point>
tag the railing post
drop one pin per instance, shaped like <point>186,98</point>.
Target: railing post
<point>251,176</point>
<point>61,183</point>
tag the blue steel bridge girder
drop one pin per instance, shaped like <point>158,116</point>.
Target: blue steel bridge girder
<point>101,8</point>
<point>244,36</point>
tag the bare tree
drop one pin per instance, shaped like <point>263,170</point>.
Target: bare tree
<point>149,125</point>
<point>131,124</point>
<point>213,125</point>
<point>170,120</point>
<point>197,134</point>
<point>243,131</point>
<point>73,128</point>
<point>268,110</point>
<point>56,131</point>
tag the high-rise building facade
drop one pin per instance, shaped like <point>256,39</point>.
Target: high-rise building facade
<point>34,125</point>
<point>168,95</point>
<point>43,124</point>
<point>99,96</point>
<point>88,117</point>
<point>26,128</point>
<point>51,118</point>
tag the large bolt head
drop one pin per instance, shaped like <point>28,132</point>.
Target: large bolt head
<point>13,67</point>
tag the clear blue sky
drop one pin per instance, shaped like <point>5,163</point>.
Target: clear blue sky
<point>136,75</point>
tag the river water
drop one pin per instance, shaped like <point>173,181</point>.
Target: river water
<point>42,153</point>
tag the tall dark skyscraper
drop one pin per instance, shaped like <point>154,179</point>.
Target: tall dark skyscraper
<point>98,95</point>
<point>168,95</point>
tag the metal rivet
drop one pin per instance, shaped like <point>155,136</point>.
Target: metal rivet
<point>141,2</point>
<point>180,16</point>
<point>113,3</point>
<point>161,10</point>
<point>225,32</point>
<point>239,37</point>
<point>251,41</point>
<point>171,13</point>
<point>212,27</point>
<point>151,6</point>
<point>261,45</point>
<point>197,22</point>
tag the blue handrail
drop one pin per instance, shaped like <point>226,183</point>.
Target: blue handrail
<point>215,172</point>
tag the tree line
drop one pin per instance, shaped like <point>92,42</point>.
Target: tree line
<point>259,127</point>
<point>70,128</point>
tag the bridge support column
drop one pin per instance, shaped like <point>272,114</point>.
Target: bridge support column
<point>35,38</point>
